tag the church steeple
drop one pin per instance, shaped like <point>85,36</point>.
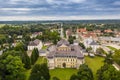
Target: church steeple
<point>61,31</point>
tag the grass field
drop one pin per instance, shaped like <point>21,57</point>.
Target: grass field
<point>111,48</point>
<point>44,47</point>
<point>94,63</point>
<point>39,61</point>
<point>62,74</point>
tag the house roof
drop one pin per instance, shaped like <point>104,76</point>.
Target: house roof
<point>34,43</point>
<point>93,43</point>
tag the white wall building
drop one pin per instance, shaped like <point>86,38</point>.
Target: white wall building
<point>91,43</point>
<point>35,44</point>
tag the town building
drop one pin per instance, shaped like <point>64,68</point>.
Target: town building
<point>89,42</point>
<point>68,33</point>
<point>35,44</point>
<point>65,55</point>
<point>35,34</point>
<point>109,40</point>
<point>108,31</point>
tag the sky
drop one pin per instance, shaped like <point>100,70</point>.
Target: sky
<point>59,9</point>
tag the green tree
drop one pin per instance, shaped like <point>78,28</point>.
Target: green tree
<point>23,55</point>
<point>11,68</point>
<point>108,58</point>
<point>82,45</point>
<point>40,72</point>
<point>55,78</point>
<point>74,77</point>
<point>85,73</point>
<point>71,39</point>
<point>34,56</point>
<point>89,49</point>
<point>100,51</point>
<point>116,56</point>
<point>108,72</point>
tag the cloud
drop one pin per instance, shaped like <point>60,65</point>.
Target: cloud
<point>84,17</point>
<point>59,9</point>
<point>59,2</point>
<point>22,9</point>
<point>116,3</point>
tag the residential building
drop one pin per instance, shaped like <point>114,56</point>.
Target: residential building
<point>35,44</point>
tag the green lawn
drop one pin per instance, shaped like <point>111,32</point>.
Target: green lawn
<point>44,47</point>
<point>94,63</point>
<point>39,61</point>
<point>111,48</point>
<point>62,74</point>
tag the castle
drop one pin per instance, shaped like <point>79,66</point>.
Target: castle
<point>65,55</point>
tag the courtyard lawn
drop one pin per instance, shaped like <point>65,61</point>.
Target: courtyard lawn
<point>39,61</point>
<point>111,48</point>
<point>94,63</point>
<point>62,74</point>
<point>44,47</point>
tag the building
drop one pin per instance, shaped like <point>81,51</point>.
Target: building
<point>108,31</point>
<point>1,52</point>
<point>65,55</point>
<point>35,44</point>
<point>35,34</point>
<point>91,43</point>
<point>110,40</point>
<point>81,30</point>
<point>68,33</point>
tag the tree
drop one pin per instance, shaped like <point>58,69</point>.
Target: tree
<point>40,72</point>
<point>74,77</point>
<point>34,56</point>
<point>55,78</point>
<point>89,49</point>
<point>108,58</point>
<point>116,56</point>
<point>108,72</point>
<point>71,39</point>
<point>11,68</point>
<point>85,73</point>
<point>100,51</point>
<point>20,47</point>
<point>23,56</point>
<point>82,45</point>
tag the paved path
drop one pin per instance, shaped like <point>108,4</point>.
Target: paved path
<point>115,46</point>
<point>106,49</point>
<point>116,66</point>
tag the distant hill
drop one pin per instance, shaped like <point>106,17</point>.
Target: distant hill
<point>63,21</point>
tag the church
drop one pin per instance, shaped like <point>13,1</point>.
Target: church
<point>65,55</point>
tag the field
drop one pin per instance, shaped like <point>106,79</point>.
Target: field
<point>94,63</point>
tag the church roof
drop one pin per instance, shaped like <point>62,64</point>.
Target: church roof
<point>63,41</point>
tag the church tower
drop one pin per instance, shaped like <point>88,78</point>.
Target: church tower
<point>61,31</point>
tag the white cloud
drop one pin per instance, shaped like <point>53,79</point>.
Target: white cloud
<point>58,2</point>
<point>22,9</point>
<point>26,18</point>
<point>116,3</point>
